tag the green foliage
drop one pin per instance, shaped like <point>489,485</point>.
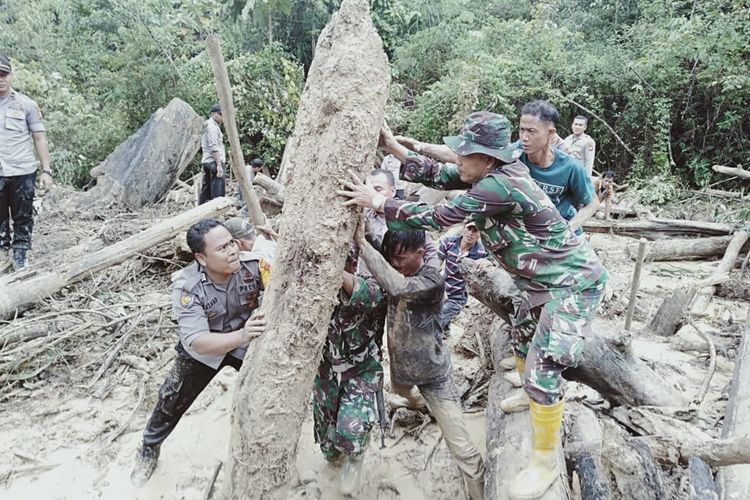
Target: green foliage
<point>672,78</point>
<point>665,75</point>
<point>266,88</point>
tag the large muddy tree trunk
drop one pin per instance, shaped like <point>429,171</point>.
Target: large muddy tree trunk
<point>338,122</point>
<point>143,167</point>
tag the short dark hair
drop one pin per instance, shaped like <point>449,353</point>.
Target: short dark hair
<point>196,233</point>
<point>257,162</point>
<point>542,110</point>
<point>583,118</point>
<point>387,173</point>
<point>402,240</point>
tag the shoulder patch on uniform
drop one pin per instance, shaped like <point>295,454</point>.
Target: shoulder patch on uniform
<point>186,298</point>
<point>265,271</point>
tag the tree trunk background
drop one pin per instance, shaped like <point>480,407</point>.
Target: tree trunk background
<point>143,167</point>
<point>337,128</point>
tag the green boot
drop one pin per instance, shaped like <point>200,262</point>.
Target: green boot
<point>533,481</point>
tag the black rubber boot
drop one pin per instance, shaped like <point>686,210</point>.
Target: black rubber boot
<point>19,259</point>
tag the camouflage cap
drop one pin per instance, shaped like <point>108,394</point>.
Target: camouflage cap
<point>486,133</point>
<point>240,228</point>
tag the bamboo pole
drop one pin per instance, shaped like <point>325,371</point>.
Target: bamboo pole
<point>227,110</point>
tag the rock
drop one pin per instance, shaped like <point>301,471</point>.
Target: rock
<point>143,167</point>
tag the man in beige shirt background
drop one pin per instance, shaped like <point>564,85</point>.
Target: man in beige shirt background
<point>580,145</point>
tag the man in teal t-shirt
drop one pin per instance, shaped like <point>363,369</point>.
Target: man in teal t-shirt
<point>561,176</point>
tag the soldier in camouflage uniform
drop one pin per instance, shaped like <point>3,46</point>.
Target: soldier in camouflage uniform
<point>560,277</point>
<point>350,374</point>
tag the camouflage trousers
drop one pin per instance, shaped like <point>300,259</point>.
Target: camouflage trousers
<point>344,410</point>
<point>552,337</point>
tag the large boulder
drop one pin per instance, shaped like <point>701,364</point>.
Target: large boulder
<point>143,167</point>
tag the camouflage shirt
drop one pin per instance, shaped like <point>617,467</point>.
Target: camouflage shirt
<point>518,223</point>
<point>355,331</point>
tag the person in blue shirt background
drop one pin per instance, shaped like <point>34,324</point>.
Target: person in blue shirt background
<point>452,249</point>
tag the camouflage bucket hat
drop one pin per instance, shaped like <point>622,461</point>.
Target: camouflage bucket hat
<point>486,133</point>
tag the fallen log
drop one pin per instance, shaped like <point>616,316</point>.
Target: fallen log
<point>716,193</point>
<point>608,364</point>
<point>337,128</point>
<point>673,450</point>
<point>656,229</point>
<point>273,188</point>
<point>734,481</point>
<point>632,468</point>
<point>583,448</point>
<point>725,266</point>
<point>737,172</point>
<point>672,312</point>
<point>20,295</point>
<point>509,435</point>
<point>143,167</point>
<point>684,249</point>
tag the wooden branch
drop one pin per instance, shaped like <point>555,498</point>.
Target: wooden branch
<point>230,123</point>
<point>655,229</point>
<point>716,193</point>
<point>636,283</point>
<point>737,172</point>
<point>19,295</point>
<point>686,248</point>
<point>726,265</point>
<point>587,110</point>
<point>722,452</point>
<point>711,363</point>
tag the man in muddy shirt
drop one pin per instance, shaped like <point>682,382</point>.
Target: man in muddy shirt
<point>350,374</point>
<point>419,360</point>
<point>213,299</point>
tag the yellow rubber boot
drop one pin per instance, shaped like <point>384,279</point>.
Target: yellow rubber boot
<point>542,471</point>
<point>520,400</point>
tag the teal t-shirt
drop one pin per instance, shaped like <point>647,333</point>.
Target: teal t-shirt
<point>565,182</point>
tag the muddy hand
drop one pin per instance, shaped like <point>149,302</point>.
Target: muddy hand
<point>268,232</point>
<point>360,193</point>
<point>254,326</point>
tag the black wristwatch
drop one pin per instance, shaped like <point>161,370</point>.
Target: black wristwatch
<point>49,172</point>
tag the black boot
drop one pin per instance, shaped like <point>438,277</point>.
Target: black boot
<point>19,258</point>
<point>145,464</point>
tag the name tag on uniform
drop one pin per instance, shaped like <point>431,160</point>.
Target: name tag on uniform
<point>16,113</point>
